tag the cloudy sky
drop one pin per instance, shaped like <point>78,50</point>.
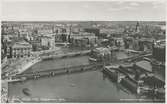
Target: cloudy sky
<point>84,10</point>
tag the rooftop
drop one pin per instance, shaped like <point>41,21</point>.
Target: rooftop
<point>145,65</point>
<point>160,43</point>
<point>20,44</point>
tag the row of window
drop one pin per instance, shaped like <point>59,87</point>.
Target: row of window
<point>19,52</point>
<point>22,48</point>
<point>21,55</point>
<point>14,53</point>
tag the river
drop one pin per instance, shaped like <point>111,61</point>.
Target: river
<point>91,86</point>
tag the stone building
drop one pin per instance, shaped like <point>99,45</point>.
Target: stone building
<point>20,49</point>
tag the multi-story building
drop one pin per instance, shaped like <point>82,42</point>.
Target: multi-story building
<point>101,54</point>
<point>45,41</point>
<point>83,39</point>
<point>48,41</point>
<point>96,31</point>
<point>45,30</point>
<point>159,50</point>
<point>25,34</point>
<point>36,44</point>
<point>20,49</point>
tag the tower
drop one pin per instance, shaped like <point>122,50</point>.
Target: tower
<point>137,27</point>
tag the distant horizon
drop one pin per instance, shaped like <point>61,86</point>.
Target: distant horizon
<point>80,21</point>
<point>87,22</point>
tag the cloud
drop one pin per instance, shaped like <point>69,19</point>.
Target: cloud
<point>134,4</point>
<point>114,9</point>
<point>85,6</point>
<point>157,4</point>
<point>82,11</point>
<point>121,8</point>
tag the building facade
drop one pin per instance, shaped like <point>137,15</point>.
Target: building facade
<point>20,49</point>
<point>83,39</point>
<point>159,50</point>
<point>101,54</point>
<point>48,41</point>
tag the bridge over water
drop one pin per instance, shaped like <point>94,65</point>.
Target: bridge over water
<point>60,71</point>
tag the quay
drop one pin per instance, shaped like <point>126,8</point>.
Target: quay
<point>136,79</point>
<point>22,67</point>
<point>4,92</point>
<point>116,75</point>
<point>71,54</point>
<point>136,57</point>
<point>27,64</point>
<point>112,73</point>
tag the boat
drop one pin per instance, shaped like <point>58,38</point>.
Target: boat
<point>155,62</point>
<point>133,51</point>
<point>147,59</point>
<point>23,78</point>
<point>73,85</point>
<point>92,59</point>
<point>145,90</point>
<point>26,91</point>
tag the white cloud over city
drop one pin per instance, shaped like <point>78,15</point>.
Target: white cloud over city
<point>92,10</point>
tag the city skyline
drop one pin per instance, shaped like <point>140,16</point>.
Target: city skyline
<point>83,11</point>
<point>103,52</point>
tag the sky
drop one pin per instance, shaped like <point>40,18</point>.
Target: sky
<point>40,10</point>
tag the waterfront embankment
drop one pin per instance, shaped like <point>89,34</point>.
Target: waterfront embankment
<point>4,91</point>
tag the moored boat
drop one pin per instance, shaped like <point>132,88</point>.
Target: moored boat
<point>26,91</point>
<point>92,59</point>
